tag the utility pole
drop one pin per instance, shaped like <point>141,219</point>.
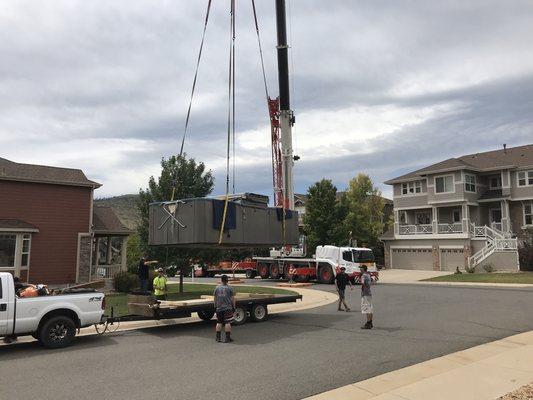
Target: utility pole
<point>286,114</point>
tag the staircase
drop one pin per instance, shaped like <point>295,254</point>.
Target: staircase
<point>496,241</point>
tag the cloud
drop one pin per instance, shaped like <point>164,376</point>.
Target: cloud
<point>379,87</point>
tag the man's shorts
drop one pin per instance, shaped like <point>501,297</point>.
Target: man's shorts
<point>366,305</point>
<point>341,294</point>
<point>224,316</point>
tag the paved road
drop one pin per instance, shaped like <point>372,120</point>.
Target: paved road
<point>291,356</point>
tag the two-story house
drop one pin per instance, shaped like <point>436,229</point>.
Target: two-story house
<point>50,230</point>
<point>464,211</point>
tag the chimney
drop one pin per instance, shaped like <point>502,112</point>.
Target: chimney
<point>505,148</point>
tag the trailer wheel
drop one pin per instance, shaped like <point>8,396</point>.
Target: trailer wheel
<point>250,274</point>
<point>264,271</point>
<point>240,315</point>
<point>325,274</point>
<point>259,313</point>
<point>206,315</point>
<point>57,332</point>
<point>275,273</point>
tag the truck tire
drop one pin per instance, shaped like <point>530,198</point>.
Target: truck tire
<point>206,315</point>
<point>250,274</point>
<point>264,271</point>
<point>57,332</point>
<point>275,272</point>
<point>240,316</point>
<point>325,274</point>
<point>259,313</point>
<point>302,278</point>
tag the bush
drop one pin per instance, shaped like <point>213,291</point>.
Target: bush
<point>488,268</point>
<point>125,282</point>
<point>470,270</point>
<point>525,251</point>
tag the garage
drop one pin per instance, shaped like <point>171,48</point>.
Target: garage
<point>450,259</point>
<point>412,258</point>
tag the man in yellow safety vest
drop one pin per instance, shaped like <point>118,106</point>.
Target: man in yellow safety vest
<point>160,285</point>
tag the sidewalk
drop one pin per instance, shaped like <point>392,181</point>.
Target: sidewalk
<point>483,372</point>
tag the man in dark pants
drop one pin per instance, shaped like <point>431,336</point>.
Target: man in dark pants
<point>341,280</point>
<point>224,308</point>
<point>143,272</point>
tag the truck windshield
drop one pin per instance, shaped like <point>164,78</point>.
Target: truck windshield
<point>363,256</point>
<point>347,256</point>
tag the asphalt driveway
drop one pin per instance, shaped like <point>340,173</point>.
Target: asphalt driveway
<point>290,356</point>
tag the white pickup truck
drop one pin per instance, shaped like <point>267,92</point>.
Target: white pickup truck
<point>52,319</point>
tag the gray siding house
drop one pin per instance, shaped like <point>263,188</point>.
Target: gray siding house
<point>465,211</point>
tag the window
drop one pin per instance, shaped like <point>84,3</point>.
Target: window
<point>495,182</point>
<point>7,251</point>
<point>422,218</point>
<point>444,184</point>
<point>411,187</point>
<point>470,183</point>
<point>456,215</point>
<point>25,260</point>
<point>363,256</point>
<point>347,256</point>
<point>528,214</point>
<point>525,178</point>
<point>403,217</point>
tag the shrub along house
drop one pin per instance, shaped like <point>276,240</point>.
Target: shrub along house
<point>466,211</point>
<point>46,225</point>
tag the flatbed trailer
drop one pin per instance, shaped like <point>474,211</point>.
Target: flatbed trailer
<point>248,306</point>
<point>248,267</point>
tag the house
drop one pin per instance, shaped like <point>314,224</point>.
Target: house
<point>49,230</point>
<point>464,211</point>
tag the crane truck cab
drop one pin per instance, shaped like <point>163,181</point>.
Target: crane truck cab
<point>351,258</point>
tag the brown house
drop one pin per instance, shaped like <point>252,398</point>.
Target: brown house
<point>46,225</point>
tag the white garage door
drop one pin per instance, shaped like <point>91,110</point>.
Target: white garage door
<point>412,259</point>
<point>450,259</point>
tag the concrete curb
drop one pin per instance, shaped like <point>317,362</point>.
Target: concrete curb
<point>487,371</point>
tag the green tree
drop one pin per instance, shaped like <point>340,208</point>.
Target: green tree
<point>184,178</point>
<point>364,212</point>
<point>133,252</point>
<point>322,215</point>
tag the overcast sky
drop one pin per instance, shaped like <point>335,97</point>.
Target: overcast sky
<point>380,87</point>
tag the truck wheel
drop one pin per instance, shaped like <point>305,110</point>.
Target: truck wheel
<point>206,315</point>
<point>250,274</point>
<point>325,274</point>
<point>239,316</point>
<point>302,278</point>
<point>264,271</point>
<point>275,273</point>
<point>57,332</point>
<point>259,313</point>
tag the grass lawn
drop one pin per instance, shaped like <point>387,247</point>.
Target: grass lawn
<point>508,277</point>
<point>190,291</point>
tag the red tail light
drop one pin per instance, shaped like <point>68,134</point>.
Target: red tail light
<point>103,303</point>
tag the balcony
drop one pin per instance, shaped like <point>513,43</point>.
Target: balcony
<point>416,229</point>
<point>450,228</point>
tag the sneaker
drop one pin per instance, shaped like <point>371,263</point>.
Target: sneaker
<point>366,326</point>
<point>228,340</point>
<point>348,310</point>
<point>340,309</point>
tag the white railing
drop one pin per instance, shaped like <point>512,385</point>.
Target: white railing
<point>495,242</point>
<point>450,228</point>
<point>505,244</point>
<point>105,271</point>
<point>497,226</point>
<point>421,229</point>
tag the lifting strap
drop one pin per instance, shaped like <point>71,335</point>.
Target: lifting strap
<point>231,116</point>
<point>192,92</point>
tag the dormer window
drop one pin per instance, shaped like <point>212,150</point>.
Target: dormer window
<point>411,187</point>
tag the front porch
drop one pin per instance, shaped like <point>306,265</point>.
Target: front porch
<point>453,220</point>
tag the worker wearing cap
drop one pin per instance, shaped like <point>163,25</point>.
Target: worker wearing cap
<point>341,280</point>
<point>160,285</point>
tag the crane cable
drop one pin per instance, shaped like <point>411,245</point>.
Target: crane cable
<point>192,95</point>
<point>231,117</point>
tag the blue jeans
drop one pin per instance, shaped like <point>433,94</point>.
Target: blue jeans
<point>144,284</point>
